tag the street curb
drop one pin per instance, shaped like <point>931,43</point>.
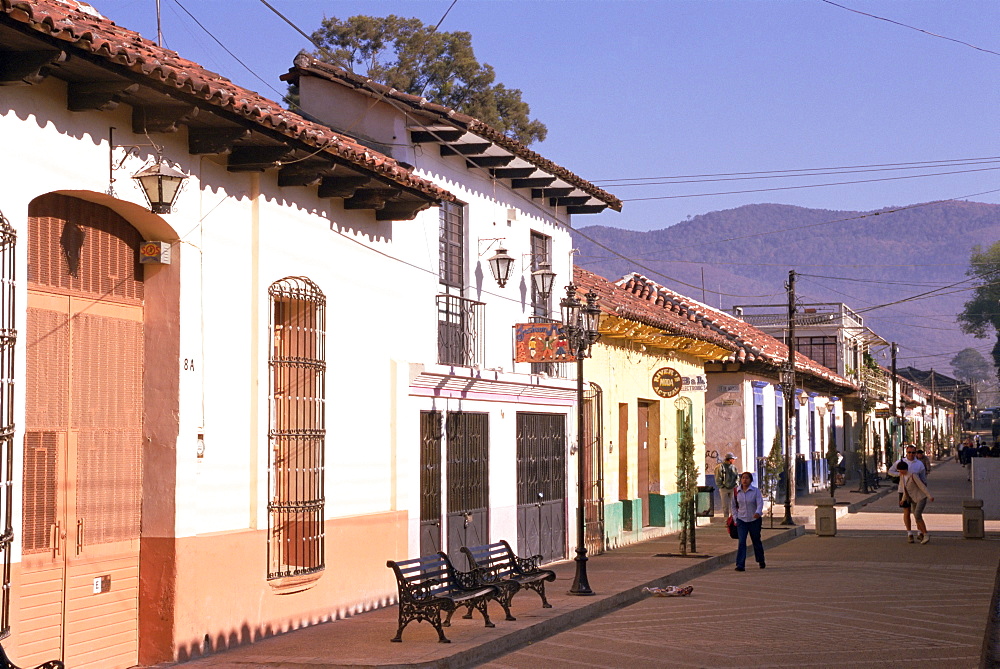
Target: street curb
<point>857,506</point>
<point>546,628</point>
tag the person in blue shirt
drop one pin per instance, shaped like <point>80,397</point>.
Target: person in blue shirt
<point>749,508</point>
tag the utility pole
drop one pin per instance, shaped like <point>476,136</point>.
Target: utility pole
<point>788,385</point>
<point>895,402</point>
<point>934,431</point>
<point>159,28</point>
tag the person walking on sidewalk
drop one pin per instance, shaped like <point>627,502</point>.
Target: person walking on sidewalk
<point>926,462</point>
<point>726,478</point>
<point>748,506</point>
<point>913,497</point>
<point>915,466</point>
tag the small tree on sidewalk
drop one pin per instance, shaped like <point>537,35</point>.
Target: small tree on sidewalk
<point>687,480</point>
<point>774,465</point>
<point>833,464</point>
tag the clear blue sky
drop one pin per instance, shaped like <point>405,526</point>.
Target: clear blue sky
<point>673,88</point>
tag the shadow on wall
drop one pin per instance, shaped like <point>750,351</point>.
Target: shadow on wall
<point>244,635</point>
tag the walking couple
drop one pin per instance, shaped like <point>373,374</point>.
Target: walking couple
<point>913,494</point>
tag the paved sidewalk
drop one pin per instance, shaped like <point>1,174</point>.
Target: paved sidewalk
<point>822,602</point>
<point>617,577</point>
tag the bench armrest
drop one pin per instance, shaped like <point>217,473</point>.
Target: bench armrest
<point>528,564</point>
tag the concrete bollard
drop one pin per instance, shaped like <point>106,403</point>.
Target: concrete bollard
<point>826,517</point>
<point>973,526</point>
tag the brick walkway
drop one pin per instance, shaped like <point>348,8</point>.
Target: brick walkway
<point>822,601</point>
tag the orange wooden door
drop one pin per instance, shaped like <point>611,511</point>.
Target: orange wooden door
<point>78,597</point>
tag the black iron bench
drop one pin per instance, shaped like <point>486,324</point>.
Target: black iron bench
<point>429,585</point>
<point>5,663</point>
<point>496,564</point>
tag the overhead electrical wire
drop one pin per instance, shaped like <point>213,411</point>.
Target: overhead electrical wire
<point>919,30</point>
<point>916,164</point>
<point>790,174</point>
<point>832,183</point>
<point>613,251</point>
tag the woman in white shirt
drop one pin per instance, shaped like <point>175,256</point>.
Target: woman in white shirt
<point>913,495</point>
<point>749,507</point>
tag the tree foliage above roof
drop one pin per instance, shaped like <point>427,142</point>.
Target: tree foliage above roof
<point>981,315</point>
<point>415,58</point>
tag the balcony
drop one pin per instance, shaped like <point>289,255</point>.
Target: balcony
<point>460,331</point>
<point>877,382</point>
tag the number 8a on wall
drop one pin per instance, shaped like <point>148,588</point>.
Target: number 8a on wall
<point>188,364</point>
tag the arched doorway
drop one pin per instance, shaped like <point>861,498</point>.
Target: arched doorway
<point>83,436</point>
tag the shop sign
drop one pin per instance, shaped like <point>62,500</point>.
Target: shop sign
<point>541,342</point>
<point>667,382</point>
<point>694,384</point>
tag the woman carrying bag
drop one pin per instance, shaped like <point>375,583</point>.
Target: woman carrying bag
<point>913,495</point>
<point>749,507</point>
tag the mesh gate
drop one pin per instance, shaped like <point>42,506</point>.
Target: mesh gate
<point>7,338</point>
<point>430,482</point>
<point>593,480</point>
<point>297,432</point>
<point>541,485</point>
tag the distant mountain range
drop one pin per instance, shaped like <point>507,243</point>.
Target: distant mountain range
<point>862,259</point>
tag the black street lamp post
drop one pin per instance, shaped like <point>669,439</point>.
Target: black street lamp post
<point>580,323</point>
<point>788,388</point>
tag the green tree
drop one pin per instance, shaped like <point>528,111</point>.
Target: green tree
<point>687,478</point>
<point>774,465</point>
<point>415,58</point>
<point>981,315</point>
<point>970,366</point>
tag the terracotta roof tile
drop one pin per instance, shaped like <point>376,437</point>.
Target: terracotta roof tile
<point>616,300</point>
<point>82,27</point>
<point>752,344</point>
<point>305,63</point>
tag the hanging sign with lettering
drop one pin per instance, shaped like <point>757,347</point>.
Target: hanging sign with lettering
<point>541,342</point>
<point>667,382</point>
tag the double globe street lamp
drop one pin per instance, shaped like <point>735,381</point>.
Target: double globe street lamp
<point>580,327</point>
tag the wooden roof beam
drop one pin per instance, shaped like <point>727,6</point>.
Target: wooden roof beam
<point>24,68</point>
<point>161,118</point>
<point>513,172</point>
<point>586,209</point>
<point>215,141</point>
<point>464,149</point>
<point>490,161</point>
<point>532,182</point>
<point>344,187</point>
<point>436,136</point>
<point>256,158</point>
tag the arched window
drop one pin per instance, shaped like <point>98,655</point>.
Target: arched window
<point>297,430</point>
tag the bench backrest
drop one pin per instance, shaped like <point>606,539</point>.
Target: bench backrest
<point>423,577</point>
<point>497,558</point>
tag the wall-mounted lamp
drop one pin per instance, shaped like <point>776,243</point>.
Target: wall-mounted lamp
<point>543,278</point>
<point>501,266</point>
<point>160,184</point>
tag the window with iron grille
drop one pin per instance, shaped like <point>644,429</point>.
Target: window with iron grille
<point>297,431</point>
<point>451,245</point>
<point>8,336</point>
<point>460,331</point>
<point>541,252</point>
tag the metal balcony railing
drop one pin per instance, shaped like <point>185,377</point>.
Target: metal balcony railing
<point>877,382</point>
<point>460,331</point>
